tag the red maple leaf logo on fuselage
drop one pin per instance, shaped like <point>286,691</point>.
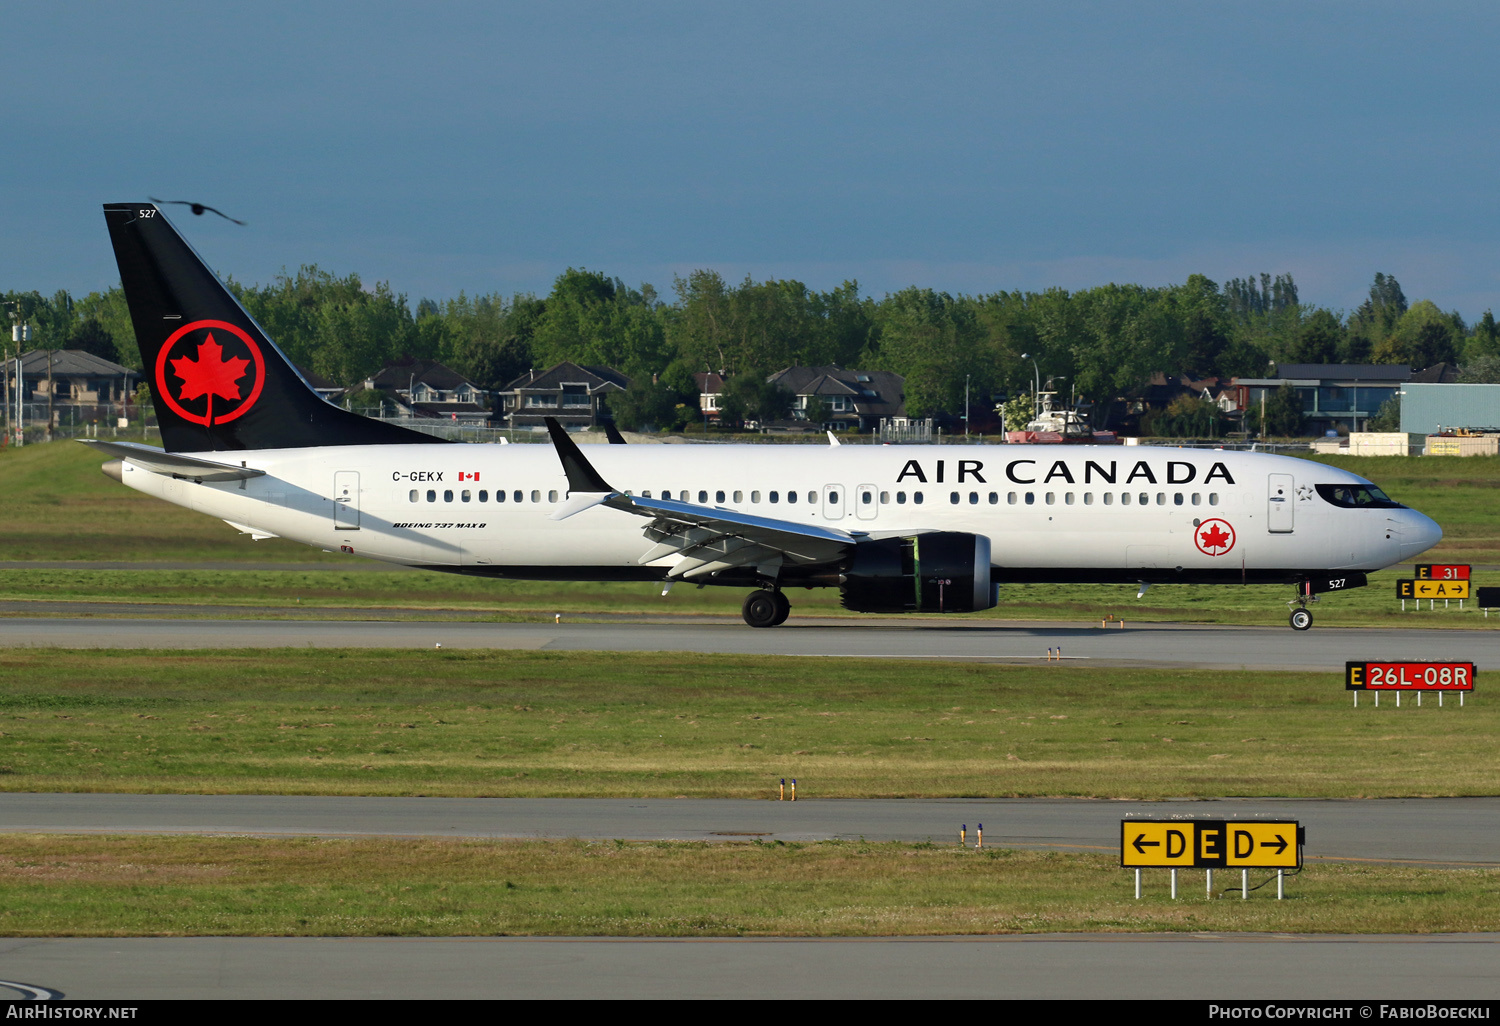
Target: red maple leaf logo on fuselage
<point>1214,538</point>
<point>210,374</point>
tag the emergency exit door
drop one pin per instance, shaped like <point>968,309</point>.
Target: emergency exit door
<point>1281,507</point>
<point>346,500</point>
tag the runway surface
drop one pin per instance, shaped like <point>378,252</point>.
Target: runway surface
<point>1164,645</point>
<point>1097,966</point>
<point>1438,831</point>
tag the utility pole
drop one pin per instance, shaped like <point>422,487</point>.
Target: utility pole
<point>966,406</point>
<point>51,390</point>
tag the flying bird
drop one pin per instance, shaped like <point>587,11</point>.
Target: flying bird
<point>198,208</point>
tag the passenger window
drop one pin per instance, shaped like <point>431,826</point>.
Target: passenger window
<point>866,498</point>
<point>448,495</point>
<point>1197,498</point>
<point>1031,498</point>
<point>516,495</point>
<point>1109,498</point>
<point>1161,498</point>
<point>551,496</point>
<point>1177,499</point>
<point>973,498</point>
<point>484,495</point>
<point>1213,498</point>
<point>646,494</point>
<point>885,498</point>
<point>901,498</point>
<point>719,496</point>
<point>916,497</point>
<point>1068,498</point>
<point>465,495</point>
<point>536,496</point>
<point>1124,498</point>
<point>1051,498</point>
<point>413,495</point>
<point>832,497</point>
<point>775,497</point>
<point>1088,498</point>
<point>1010,497</point>
<point>755,496</point>
<point>791,496</point>
<point>702,498</point>
<point>431,495</point>
<point>1145,500</point>
<point>812,496</point>
<point>499,496</point>
<point>994,498</point>
<point>953,498</point>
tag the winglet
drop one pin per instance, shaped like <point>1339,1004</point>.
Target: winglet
<point>833,440</point>
<point>582,477</point>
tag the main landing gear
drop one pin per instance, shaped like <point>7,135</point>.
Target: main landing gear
<point>1301,619</point>
<point>766,609</point>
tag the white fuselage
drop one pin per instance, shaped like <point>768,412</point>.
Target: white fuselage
<point>1072,509</point>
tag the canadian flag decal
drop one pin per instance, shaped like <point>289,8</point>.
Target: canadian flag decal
<point>468,477</point>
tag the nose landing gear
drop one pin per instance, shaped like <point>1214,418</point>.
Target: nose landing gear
<point>766,608</point>
<point>1302,618</point>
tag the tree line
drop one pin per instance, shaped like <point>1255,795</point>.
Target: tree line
<point>1098,343</point>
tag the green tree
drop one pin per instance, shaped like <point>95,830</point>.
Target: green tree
<point>1283,417</point>
<point>649,406</point>
<point>1388,417</point>
<point>1319,339</point>
<point>90,336</point>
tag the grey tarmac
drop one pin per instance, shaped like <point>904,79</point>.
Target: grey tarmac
<point>1283,968</point>
<point>1187,646</point>
<point>1429,831</point>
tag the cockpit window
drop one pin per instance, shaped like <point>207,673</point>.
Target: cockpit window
<point>1357,496</point>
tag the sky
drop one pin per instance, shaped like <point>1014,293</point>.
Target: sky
<point>966,147</point>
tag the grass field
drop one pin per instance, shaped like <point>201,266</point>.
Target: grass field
<point>132,886</point>
<point>57,506</point>
<point>663,725</point>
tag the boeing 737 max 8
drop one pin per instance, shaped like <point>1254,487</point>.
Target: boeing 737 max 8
<point>894,528</point>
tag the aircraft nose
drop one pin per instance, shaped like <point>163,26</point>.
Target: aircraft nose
<point>1418,533</point>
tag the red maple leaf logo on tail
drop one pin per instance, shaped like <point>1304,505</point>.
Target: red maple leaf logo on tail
<point>210,375</point>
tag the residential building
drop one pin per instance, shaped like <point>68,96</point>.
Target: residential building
<point>851,399</point>
<point>72,377</point>
<point>575,394</point>
<point>426,388</point>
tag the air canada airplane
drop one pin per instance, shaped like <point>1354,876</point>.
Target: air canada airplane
<point>894,528</point>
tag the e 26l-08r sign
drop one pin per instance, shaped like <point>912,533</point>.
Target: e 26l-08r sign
<point>1374,675</point>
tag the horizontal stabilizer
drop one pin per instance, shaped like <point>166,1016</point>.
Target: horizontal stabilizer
<point>171,464</point>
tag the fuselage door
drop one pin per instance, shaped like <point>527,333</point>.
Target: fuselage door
<point>346,500</point>
<point>866,502</point>
<point>833,502</point>
<point>1281,507</point>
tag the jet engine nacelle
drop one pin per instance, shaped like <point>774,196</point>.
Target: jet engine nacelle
<point>941,572</point>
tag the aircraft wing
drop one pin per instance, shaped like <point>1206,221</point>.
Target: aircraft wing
<point>171,464</point>
<point>706,539</point>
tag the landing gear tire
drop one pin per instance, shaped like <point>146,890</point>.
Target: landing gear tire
<point>1301,619</point>
<point>783,608</point>
<point>761,609</point>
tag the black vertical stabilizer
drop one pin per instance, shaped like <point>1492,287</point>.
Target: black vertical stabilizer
<point>217,381</point>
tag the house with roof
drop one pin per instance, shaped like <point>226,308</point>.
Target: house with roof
<point>575,394</point>
<point>426,388</point>
<point>73,377</point>
<point>850,399</point>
